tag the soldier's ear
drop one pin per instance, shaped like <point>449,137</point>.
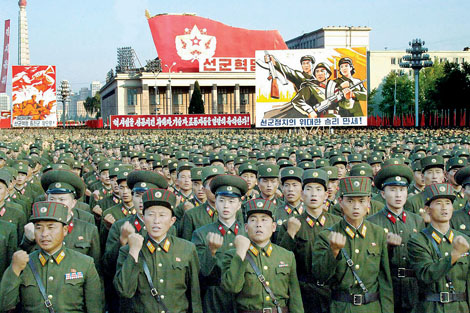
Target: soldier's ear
<point>65,230</point>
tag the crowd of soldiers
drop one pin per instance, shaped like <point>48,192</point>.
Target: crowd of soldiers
<point>236,221</point>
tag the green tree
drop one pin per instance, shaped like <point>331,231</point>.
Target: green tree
<point>372,102</point>
<point>93,105</point>
<point>427,84</point>
<point>404,94</point>
<point>196,106</point>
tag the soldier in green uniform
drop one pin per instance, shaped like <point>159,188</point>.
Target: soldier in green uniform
<point>399,226</point>
<point>214,239</point>
<point>452,166</point>
<point>298,235</point>
<point>248,172</point>
<point>439,256</point>
<point>69,278</point>
<point>11,212</point>
<point>461,218</point>
<point>159,272</point>
<point>350,105</point>
<point>102,187</point>
<point>8,244</point>
<point>114,198</point>
<point>333,187</point>
<point>433,173</point>
<point>418,181</point>
<point>183,180</point>
<point>352,256</point>
<point>271,285</point>
<point>291,181</point>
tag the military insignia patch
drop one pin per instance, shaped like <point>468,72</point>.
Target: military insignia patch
<point>43,209</point>
<point>158,194</point>
<point>58,185</point>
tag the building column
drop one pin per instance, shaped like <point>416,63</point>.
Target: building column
<point>237,99</point>
<point>168,109</point>
<point>214,99</point>
<point>145,103</point>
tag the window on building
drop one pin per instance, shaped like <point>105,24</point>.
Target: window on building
<point>244,99</point>
<point>222,95</point>
<point>177,96</point>
<point>394,61</point>
<point>132,96</point>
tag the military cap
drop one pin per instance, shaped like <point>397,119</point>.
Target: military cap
<point>124,171</point>
<point>181,155</point>
<point>157,164</point>
<point>332,172</point>
<point>113,171</point>
<point>105,165</point>
<point>160,197</point>
<point>284,163</point>
<point>306,165</point>
<point>280,155</point>
<point>292,172</point>
<point>211,171</point>
<point>5,176</point>
<point>215,157</point>
<point>184,165</point>
<point>143,180</point>
<point>354,157</point>
<point>21,168</point>
<point>268,171</point>
<point>307,57</point>
<point>438,191</point>
<point>196,173</point>
<point>62,181</point>
<point>270,154</point>
<point>229,185</point>
<point>361,169</point>
<point>462,177</point>
<point>260,206</point>
<point>315,176</point>
<point>49,211</point>
<point>393,161</point>
<point>3,156</point>
<point>393,175</point>
<point>319,163</point>
<point>172,165</point>
<point>239,160</point>
<point>247,167</point>
<point>323,65</point>
<point>229,157</point>
<point>456,162</point>
<point>431,162</point>
<point>374,159</point>
<point>355,186</point>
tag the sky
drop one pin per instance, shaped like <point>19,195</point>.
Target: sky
<point>80,37</point>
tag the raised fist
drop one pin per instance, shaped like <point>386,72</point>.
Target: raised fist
<point>393,239</point>
<point>109,220</point>
<point>126,230</point>
<point>293,226</point>
<point>214,241</point>
<point>19,261</point>
<point>96,195</point>
<point>242,244</point>
<point>135,244</point>
<point>337,242</point>
<point>97,210</point>
<point>460,245</point>
<point>188,205</point>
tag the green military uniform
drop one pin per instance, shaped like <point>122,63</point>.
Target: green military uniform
<point>294,76</point>
<point>457,163</point>
<point>70,278</point>
<point>351,106</point>
<point>275,263</point>
<point>285,210</point>
<point>461,219</point>
<point>405,285</point>
<point>367,248</point>
<point>179,210</point>
<point>8,244</point>
<point>316,296</point>
<point>10,213</point>
<point>173,266</point>
<point>215,298</point>
<point>430,257</point>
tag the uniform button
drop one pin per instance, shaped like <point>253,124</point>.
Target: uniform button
<point>161,280</point>
<point>264,254</point>
<point>267,298</point>
<point>357,266</point>
<point>443,239</point>
<point>51,278</point>
<point>160,264</point>
<point>230,244</point>
<point>447,285</point>
<point>402,244</point>
<point>265,267</point>
<point>162,296</point>
<point>51,261</point>
<point>159,249</point>
<point>49,297</point>
<point>446,254</point>
<point>267,283</point>
<point>229,232</point>
<point>401,231</point>
<point>357,250</point>
<point>404,258</point>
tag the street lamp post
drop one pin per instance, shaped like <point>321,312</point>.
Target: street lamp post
<point>171,95</point>
<point>65,92</point>
<point>154,66</point>
<point>416,59</point>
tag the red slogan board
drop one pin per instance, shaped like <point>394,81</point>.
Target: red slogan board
<point>192,121</point>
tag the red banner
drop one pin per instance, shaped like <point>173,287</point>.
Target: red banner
<point>6,55</point>
<point>183,39</point>
<point>191,121</point>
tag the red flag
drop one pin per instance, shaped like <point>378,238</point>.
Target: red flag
<point>6,54</point>
<point>455,117</point>
<point>186,38</point>
<point>463,117</point>
<point>422,124</point>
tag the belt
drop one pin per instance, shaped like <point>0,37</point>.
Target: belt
<point>265,310</point>
<point>357,299</point>
<point>446,297</point>
<point>402,272</point>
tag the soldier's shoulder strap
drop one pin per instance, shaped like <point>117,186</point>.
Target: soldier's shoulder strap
<point>153,290</point>
<point>47,302</point>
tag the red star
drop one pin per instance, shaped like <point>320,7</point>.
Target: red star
<point>196,41</point>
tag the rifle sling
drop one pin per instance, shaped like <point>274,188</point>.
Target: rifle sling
<point>153,290</point>
<point>47,302</point>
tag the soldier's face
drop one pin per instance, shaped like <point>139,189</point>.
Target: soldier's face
<point>135,163</point>
<point>114,185</point>
<point>21,179</point>
<point>260,227</point>
<point>227,207</point>
<point>354,208</point>
<point>395,196</point>
<point>268,186</point>
<point>440,210</point>
<point>3,190</point>
<point>332,188</point>
<point>230,167</point>
<point>307,66</point>
<point>450,176</point>
<point>104,177</point>
<point>341,170</point>
<point>419,179</point>
<point>434,175</point>
<point>66,199</point>
<point>137,199</point>
<point>292,190</point>
<point>158,220</point>
<point>314,195</point>
<point>293,159</point>
<point>320,74</point>
<point>184,180</point>
<point>250,179</point>
<point>124,192</point>
<point>345,69</point>
<point>376,168</point>
<point>49,235</point>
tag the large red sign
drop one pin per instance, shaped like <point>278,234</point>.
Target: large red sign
<point>191,121</point>
<point>184,39</point>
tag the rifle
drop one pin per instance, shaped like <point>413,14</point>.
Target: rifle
<point>273,77</point>
<point>336,97</point>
